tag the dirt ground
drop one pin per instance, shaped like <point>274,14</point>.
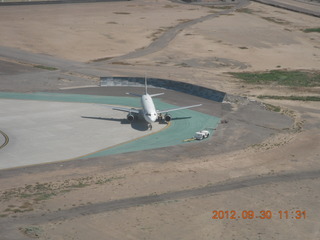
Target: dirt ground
<point>171,194</point>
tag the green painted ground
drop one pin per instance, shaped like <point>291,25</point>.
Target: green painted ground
<point>185,124</point>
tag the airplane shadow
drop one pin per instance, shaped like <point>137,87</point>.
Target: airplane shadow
<point>138,124</point>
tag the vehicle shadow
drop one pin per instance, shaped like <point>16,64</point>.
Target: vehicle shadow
<point>137,124</point>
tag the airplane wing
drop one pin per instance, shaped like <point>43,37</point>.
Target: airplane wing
<point>179,108</point>
<point>130,110</point>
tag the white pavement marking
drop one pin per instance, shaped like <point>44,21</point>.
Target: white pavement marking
<point>42,132</point>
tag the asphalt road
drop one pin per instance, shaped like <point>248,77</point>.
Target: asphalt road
<point>292,7</point>
<point>232,185</point>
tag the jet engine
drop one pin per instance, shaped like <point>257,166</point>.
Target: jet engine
<point>167,117</point>
<point>130,117</point>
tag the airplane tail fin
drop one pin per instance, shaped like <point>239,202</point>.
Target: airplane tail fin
<point>146,88</point>
<point>145,84</point>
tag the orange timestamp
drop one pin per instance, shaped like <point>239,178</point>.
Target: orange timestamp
<point>263,214</point>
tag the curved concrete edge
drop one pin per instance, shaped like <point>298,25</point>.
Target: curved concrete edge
<point>4,139</point>
<point>177,86</point>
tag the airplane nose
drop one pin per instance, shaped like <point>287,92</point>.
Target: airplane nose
<point>151,118</point>
<point>154,118</point>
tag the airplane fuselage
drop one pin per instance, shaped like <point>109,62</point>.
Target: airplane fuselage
<point>149,110</point>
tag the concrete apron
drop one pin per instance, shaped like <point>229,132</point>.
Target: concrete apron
<point>51,127</point>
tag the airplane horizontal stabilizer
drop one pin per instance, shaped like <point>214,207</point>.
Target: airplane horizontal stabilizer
<point>179,108</point>
<point>157,94</point>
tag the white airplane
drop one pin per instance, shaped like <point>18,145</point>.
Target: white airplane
<point>148,110</point>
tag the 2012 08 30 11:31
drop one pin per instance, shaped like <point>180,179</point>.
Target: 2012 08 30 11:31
<point>262,214</point>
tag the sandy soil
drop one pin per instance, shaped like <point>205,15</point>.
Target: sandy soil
<point>252,38</point>
<point>75,203</point>
<point>85,32</point>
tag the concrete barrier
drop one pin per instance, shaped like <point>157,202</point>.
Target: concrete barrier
<point>188,88</point>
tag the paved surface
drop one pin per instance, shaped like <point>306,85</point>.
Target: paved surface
<point>42,131</point>
<point>247,125</point>
<point>56,127</point>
